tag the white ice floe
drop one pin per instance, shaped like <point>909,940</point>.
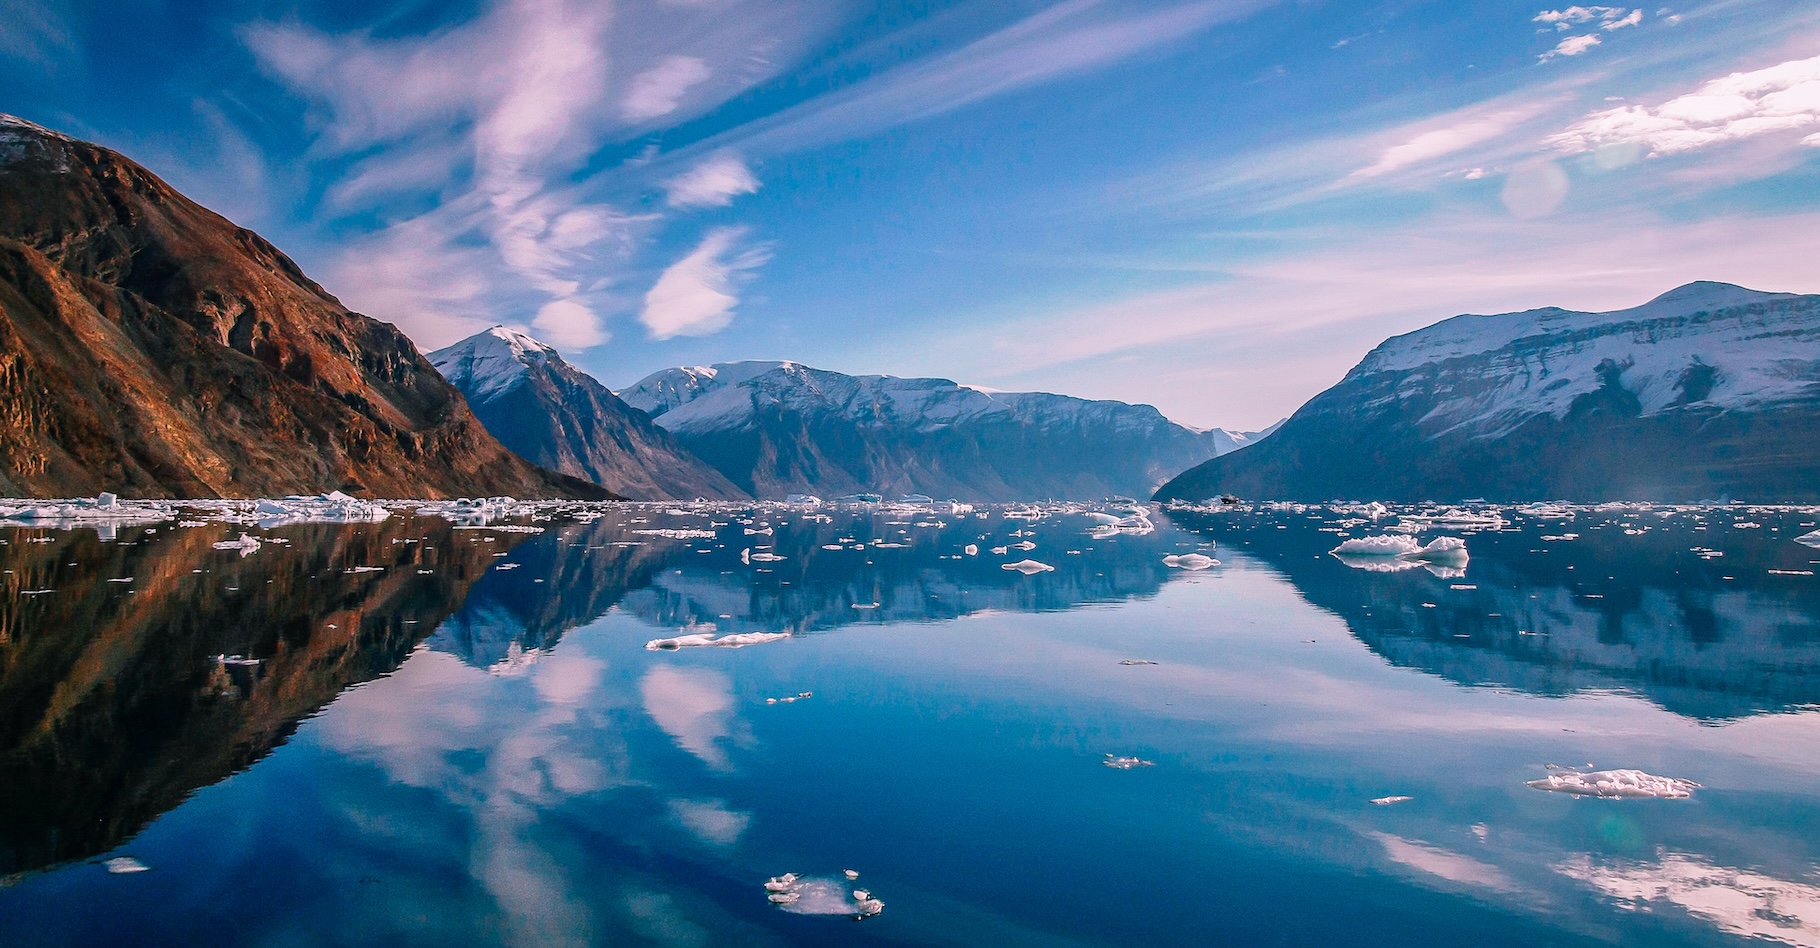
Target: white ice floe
<point>1809,539</point>
<point>1390,553</point>
<point>748,556</point>
<point>332,507</point>
<point>670,534</point>
<point>1190,561</point>
<point>1388,801</point>
<point>1616,784</point>
<point>1029,567</point>
<point>811,896</point>
<point>238,661</point>
<point>734,640</point>
<point>1126,763</point>
<point>121,865</point>
<point>247,545</point>
<point>971,549</point>
<point>104,510</point>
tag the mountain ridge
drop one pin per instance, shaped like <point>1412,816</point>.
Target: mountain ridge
<point>1707,391</point>
<point>151,347</point>
<point>555,415</point>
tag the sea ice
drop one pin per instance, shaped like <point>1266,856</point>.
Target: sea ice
<point>1029,567</point>
<point>811,896</point>
<point>1616,784</point>
<point>735,640</point>
<point>247,545</point>
<point>1387,801</point>
<point>1190,561</point>
<point>1388,545</point>
<point>1809,539</point>
<point>1126,763</point>
<point>121,865</point>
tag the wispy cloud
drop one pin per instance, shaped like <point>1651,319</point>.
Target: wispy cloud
<point>714,182</point>
<point>695,295</point>
<point>1571,46</point>
<point>659,90</point>
<point>1781,98</point>
<point>1609,17</point>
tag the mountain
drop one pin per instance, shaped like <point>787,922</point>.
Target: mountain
<point>1709,391</point>
<point>776,428</point>
<point>558,416</point>
<point>152,348</point>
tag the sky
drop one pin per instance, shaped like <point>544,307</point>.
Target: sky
<point>1215,207</point>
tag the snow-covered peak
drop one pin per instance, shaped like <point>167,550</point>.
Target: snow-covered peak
<point>492,361</point>
<point>667,389</point>
<point>1709,344</point>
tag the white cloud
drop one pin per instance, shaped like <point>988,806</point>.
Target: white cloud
<point>712,183</point>
<point>1741,105</point>
<point>1439,142</point>
<point>568,324</point>
<point>694,296</point>
<point>659,90</point>
<point>1571,46</point>
<point>1571,17</point>
<point>692,705</point>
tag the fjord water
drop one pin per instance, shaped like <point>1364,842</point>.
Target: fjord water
<point>411,732</point>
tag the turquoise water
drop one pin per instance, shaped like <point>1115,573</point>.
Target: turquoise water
<point>452,747</point>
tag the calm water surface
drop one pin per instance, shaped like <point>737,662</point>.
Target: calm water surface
<point>413,733</point>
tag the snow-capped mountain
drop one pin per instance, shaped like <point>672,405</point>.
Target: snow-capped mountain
<point>1705,392</point>
<point>776,428</point>
<point>556,415</point>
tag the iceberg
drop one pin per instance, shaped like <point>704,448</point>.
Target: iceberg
<point>247,545</point>
<point>1126,763</point>
<point>1388,545</point>
<point>1809,539</point>
<point>1390,553</point>
<point>735,640</point>
<point>1616,784</point>
<point>1029,567</point>
<point>121,865</point>
<point>1190,561</point>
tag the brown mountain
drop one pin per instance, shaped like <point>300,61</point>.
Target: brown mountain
<point>152,348</point>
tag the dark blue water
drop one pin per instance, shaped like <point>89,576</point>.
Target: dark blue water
<point>440,745</point>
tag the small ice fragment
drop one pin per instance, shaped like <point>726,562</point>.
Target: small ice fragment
<point>851,874</point>
<point>247,545</point>
<point>1029,567</point>
<point>121,865</point>
<point>1190,561</point>
<point>973,549</point>
<point>865,605</point>
<point>861,895</point>
<point>239,660</point>
<point>1137,661</point>
<point>1387,801</point>
<point>1126,763</point>
<point>735,640</point>
<point>1616,784</point>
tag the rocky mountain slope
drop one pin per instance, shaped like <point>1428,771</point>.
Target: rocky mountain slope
<point>152,348</point>
<point>558,416</point>
<point>1709,391</point>
<point>776,428</point>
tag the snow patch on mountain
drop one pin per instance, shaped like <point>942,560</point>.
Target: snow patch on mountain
<point>490,362</point>
<point>1711,345</point>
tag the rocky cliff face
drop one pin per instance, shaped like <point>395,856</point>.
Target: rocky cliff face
<point>557,416</point>
<point>152,348</point>
<point>1710,391</point>
<point>776,428</point>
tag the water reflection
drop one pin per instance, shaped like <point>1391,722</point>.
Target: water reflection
<point>135,670</point>
<point>1619,599</point>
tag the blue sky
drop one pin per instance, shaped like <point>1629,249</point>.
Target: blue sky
<point>1213,207</point>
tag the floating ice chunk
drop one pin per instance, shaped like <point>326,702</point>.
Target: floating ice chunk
<point>764,533</point>
<point>678,534</point>
<point>1443,550</point>
<point>121,865</point>
<point>1024,545</point>
<point>1387,545</point>
<point>1103,532</point>
<point>747,556</point>
<point>247,545</point>
<point>1809,539</point>
<point>1616,784</point>
<point>1102,519</point>
<point>333,507</point>
<point>240,661</point>
<point>1029,567</point>
<point>1126,763</point>
<point>802,500</point>
<point>1137,661</point>
<point>973,549</point>
<point>851,874</point>
<point>1190,561</point>
<point>1387,801</point>
<point>810,896</point>
<point>735,640</point>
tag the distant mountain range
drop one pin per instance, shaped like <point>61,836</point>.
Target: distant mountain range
<point>778,428</point>
<point>558,416</point>
<point>1710,391</point>
<point>151,348</point>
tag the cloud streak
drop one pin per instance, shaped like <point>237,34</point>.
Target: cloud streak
<point>695,295</point>
<point>1781,98</point>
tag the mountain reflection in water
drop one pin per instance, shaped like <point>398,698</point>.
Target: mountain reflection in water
<point>1573,601</point>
